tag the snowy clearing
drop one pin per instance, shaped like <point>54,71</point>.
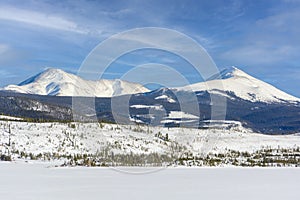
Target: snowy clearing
<point>10,118</point>
<point>180,115</point>
<point>156,107</point>
<point>169,99</point>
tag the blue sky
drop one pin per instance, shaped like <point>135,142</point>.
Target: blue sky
<point>260,37</point>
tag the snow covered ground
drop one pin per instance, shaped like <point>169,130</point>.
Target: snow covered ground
<point>92,137</point>
<point>48,140</point>
<point>39,181</point>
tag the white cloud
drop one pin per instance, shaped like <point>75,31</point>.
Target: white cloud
<point>39,19</point>
<point>291,1</point>
<point>282,22</point>
<point>3,48</point>
<point>2,72</point>
<point>6,74</point>
<point>259,54</point>
<point>270,41</point>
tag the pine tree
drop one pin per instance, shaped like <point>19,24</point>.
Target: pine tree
<point>167,137</point>
<point>9,136</point>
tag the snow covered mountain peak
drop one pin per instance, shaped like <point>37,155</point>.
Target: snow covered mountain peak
<point>242,85</point>
<point>49,75</point>
<point>231,72</point>
<point>56,82</point>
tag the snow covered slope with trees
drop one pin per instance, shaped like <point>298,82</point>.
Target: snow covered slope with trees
<point>134,145</point>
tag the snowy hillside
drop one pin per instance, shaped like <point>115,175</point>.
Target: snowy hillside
<point>234,80</point>
<point>101,141</point>
<point>56,82</point>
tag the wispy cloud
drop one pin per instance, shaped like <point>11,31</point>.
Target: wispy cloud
<point>39,19</point>
<point>288,21</point>
<point>230,11</point>
<point>6,74</point>
<point>271,40</point>
<point>259,54</point>
<point>291,1</point>
<point>3,48</point>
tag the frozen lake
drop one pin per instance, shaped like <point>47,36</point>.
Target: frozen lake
<point>38,181</point>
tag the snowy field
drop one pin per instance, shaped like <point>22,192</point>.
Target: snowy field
<point>91,137</point>
<point>39,181</point>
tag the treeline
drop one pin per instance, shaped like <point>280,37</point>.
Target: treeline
<point>266,157</point>
<point>42,120</point>
<point>141,160</point>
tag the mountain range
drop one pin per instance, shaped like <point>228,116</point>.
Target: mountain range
<point>254,103</point>
<point>56,82</point>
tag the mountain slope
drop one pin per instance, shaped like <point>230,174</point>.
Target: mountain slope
<point>242,85</point>
<point>55,82</point>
